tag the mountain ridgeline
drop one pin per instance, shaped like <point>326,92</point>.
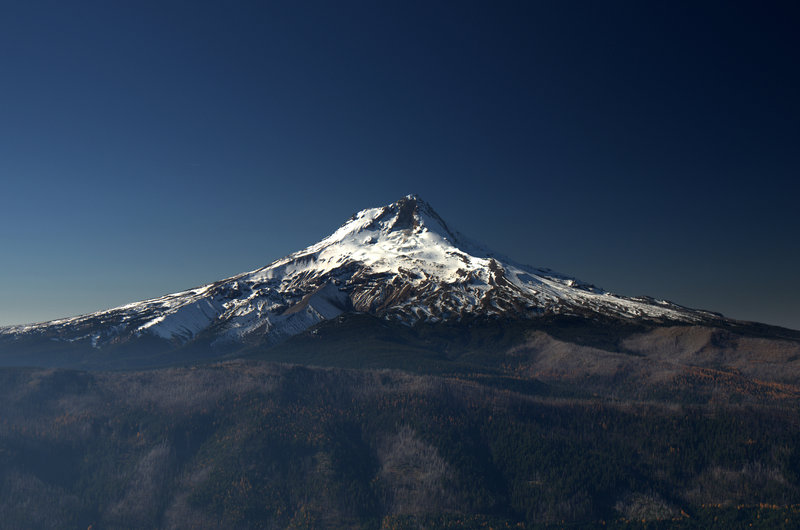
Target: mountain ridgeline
<point>400,263</point>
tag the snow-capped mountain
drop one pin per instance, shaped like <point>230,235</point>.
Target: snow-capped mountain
<point>400,262</point>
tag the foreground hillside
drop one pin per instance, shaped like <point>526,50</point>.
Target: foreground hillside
<point>250,444</point>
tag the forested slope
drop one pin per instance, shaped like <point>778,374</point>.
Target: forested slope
<point>258,445</point>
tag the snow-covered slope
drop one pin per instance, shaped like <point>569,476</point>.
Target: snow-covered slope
<point>400,262</point>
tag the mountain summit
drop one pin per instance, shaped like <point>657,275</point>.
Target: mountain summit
<point>401,262</point>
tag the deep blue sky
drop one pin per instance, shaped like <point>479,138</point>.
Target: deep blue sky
<point>148,147</point>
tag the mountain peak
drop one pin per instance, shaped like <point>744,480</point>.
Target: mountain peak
<point>401,262</point>
<point>412,213</point>
<point>408,217</point>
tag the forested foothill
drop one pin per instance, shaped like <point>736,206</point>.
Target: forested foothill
<point>553,432</point>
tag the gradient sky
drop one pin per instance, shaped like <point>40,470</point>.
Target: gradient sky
<point>649,148</point>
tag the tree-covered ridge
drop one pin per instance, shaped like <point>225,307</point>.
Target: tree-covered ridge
<point>258,445</point>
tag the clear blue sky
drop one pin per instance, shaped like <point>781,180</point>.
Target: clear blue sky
<point>148,147</point>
